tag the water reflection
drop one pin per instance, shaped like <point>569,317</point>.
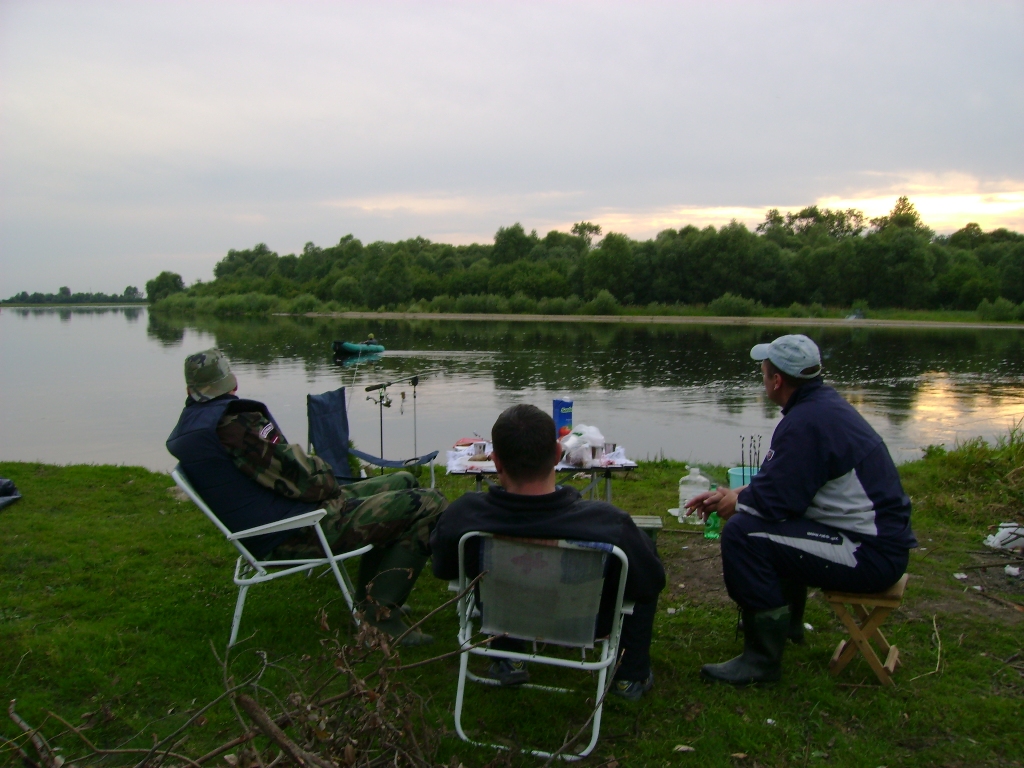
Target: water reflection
<point>689,391</point>
<point>521,356</point>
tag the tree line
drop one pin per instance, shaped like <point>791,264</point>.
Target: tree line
<point>816,256</point>
<point>65,296</point>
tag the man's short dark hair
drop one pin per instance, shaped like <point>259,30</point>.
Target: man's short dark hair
<point>524,440</point>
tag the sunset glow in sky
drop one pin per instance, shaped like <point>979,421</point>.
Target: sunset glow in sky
<point>137,136</point>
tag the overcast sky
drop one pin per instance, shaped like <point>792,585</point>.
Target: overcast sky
<point>142,136</point>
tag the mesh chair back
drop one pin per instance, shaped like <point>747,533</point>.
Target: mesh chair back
<point>327,416</point>
<point>548,591</point>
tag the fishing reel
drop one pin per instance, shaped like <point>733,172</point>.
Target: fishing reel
<point>385,399</point>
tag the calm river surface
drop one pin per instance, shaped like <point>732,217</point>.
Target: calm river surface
<point>106,385</point>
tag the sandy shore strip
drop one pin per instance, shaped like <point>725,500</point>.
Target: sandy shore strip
<point>782,322</point>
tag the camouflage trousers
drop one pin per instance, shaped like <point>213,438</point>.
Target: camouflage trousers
<point>390,509</point>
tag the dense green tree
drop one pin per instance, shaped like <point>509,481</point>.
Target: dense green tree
<point>1011,272</point>
<point>586,231</point>
<point>237,261</point>
<point>609,267</point>
<point>512,243</point>
<point>968,238</point>
<point>346,290</point>
<point>903,215</point>
<point>812,256</point>
<point>965,282</point>
<point>163,285</point>
<point>389,285</point>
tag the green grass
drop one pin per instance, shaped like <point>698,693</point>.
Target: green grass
<point>111,593</point>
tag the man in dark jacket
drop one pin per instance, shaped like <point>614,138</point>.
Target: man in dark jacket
<point>236,457</point>
<point>530,504</point>
<point>826,509</point>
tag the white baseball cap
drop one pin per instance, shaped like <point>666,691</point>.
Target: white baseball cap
<point>794,354</point>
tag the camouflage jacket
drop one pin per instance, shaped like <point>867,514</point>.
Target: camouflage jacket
<point>259,450</point>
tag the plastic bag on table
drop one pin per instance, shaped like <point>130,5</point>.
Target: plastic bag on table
<point>618,456</point>
<point>458,459</point>
<point>579,444</point>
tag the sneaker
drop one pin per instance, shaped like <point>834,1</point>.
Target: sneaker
<point>508,672</point>
<point>632,690</point>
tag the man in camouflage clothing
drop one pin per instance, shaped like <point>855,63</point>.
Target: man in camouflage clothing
<point>391,512</point>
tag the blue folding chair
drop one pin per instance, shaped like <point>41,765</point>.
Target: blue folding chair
<point>327,415</point>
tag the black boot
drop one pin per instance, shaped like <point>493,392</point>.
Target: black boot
<point>764,638</point>
<point>386,590</point>
<point>796,597</point>
<point>369,564</point>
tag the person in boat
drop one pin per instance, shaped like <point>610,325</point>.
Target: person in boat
<point>825,509</point>
<point>236,457</point>
<point>369,340</point>
<point>529,504</point>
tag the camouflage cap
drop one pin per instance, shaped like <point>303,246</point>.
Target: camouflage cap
<point>208,375</point>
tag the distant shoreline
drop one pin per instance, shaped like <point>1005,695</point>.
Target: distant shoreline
<point>753,320</point>
<point>73,304</point>
<point>797,322</point>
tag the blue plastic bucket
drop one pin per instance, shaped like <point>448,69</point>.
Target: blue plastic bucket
<point>739,476</point>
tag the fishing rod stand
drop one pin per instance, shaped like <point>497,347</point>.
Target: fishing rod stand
<point>383,400</point>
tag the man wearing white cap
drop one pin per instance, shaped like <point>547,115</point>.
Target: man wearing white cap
<point>825,509</point>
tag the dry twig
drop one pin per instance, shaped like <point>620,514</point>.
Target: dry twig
<point>43,749</point>
<point>266,724</point>
<point>938,652</point>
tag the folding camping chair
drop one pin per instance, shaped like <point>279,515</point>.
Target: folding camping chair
<point>327,416</point>
<point>250,571</point>
<point>545,591</point>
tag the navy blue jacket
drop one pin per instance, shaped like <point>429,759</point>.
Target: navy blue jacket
<point>238,501</point>
<point>826,463</point>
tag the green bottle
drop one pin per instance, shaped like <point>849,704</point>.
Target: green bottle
<point>713,526</point>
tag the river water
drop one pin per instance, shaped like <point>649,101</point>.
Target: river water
<point>106,385</point>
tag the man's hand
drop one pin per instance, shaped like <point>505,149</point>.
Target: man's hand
<point>720,500</point>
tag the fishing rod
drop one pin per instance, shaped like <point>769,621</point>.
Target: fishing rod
<point>414,379</point>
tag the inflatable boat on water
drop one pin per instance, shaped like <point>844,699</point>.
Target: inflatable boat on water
<point>347,348</point>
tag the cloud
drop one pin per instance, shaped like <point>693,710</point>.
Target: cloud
<point>436,204</point>
<point>946,203</point>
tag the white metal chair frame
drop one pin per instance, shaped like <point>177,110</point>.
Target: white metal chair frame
<point>606,656</point>
<point>250,571</point>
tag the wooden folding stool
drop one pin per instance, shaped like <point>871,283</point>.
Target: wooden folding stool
<point>867,629</point>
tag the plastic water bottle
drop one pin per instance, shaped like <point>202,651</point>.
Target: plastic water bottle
<point>713,527</point>
<point>689,486</point>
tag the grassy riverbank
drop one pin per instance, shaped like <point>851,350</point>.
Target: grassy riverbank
<point>603,307</point>
<point>112,591</point>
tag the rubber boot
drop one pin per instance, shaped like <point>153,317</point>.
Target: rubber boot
<point>796,597</point>
<point>387,590</point>
<point>369,564</point>
<point>764,638</point>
